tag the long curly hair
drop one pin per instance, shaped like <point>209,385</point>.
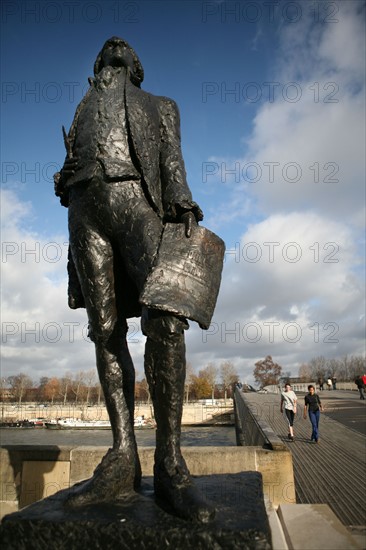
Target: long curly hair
<point>137,76</point>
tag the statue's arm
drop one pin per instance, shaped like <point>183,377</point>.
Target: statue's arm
<point>60,190</point>
<point>70,163</point>
<point>176,195</point>
<point>68,169</point>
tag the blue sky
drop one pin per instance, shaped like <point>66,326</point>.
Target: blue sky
<point>271,96</point>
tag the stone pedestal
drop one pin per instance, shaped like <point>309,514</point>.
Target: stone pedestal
<point>138,523</point>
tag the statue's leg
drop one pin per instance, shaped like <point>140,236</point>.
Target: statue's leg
<point>117,378</point>
<point>119,471</point>
<point>165,371</point>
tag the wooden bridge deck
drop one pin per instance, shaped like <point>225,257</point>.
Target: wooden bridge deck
<point>333,471</point>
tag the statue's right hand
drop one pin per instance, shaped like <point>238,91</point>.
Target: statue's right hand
<point>69,167</point>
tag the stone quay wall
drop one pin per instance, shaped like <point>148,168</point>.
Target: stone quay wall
<point>220,411</point>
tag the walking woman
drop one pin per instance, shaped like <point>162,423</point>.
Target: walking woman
<point>289,401</point>
<point>313,405</point>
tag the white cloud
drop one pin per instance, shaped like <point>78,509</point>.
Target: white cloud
<point>307,144</point>
<point>315,150</point>
<point>39,332</point>
<point>314,283</point>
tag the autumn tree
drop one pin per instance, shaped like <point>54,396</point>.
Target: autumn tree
<point>51,389</point>
<point>267,372</point>
<point>142,390</point>
<point>200,386</point>
<point>210,373</point>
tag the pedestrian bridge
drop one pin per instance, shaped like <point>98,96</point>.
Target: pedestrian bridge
<point>308,488</point>
<point>331,472</point>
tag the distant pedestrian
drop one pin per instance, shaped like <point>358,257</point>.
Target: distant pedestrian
<point>364,380</point>
<point>321,383</point>
<point>313,405</point>
<point>361,386</point>
<point>289,403</point>
<point>329,384</point>
<point>334,382</point>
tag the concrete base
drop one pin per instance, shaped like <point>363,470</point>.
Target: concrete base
<point>241,521</point>
<point>314,526</point>
<point>30,473</point>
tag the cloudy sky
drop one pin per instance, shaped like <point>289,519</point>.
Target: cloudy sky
<point>271,96</point>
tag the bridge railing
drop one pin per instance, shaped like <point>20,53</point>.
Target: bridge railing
<point>250,428</point>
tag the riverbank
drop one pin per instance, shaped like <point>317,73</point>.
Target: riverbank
<point>218,413</point>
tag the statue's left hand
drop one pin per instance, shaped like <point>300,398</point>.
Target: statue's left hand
<point>189,220</point>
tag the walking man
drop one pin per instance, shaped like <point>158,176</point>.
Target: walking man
<point>361,386</point>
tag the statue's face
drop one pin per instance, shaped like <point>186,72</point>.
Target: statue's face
<point>117,55</point>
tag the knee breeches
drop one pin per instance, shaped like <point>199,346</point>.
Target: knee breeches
<point>107,220</point>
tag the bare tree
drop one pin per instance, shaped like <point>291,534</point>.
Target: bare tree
<point>333,366</point>
<point>65,386</point>
<point>344,368</point>
<point>77,385</point>
<point>188,381</point>
<point>99,392</point>
<point>90,383</point>
<point>19,385</point>
<point>43,381</point>
<point>229,376</point>
<point>305,373</point>
<point>318,367</point>
<point>356,366</point>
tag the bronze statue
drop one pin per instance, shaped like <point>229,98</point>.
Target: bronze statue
<point>123,180</point>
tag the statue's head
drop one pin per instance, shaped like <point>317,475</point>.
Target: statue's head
<point>116,53</point>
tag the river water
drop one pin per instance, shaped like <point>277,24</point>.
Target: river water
<point>216,436</point>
